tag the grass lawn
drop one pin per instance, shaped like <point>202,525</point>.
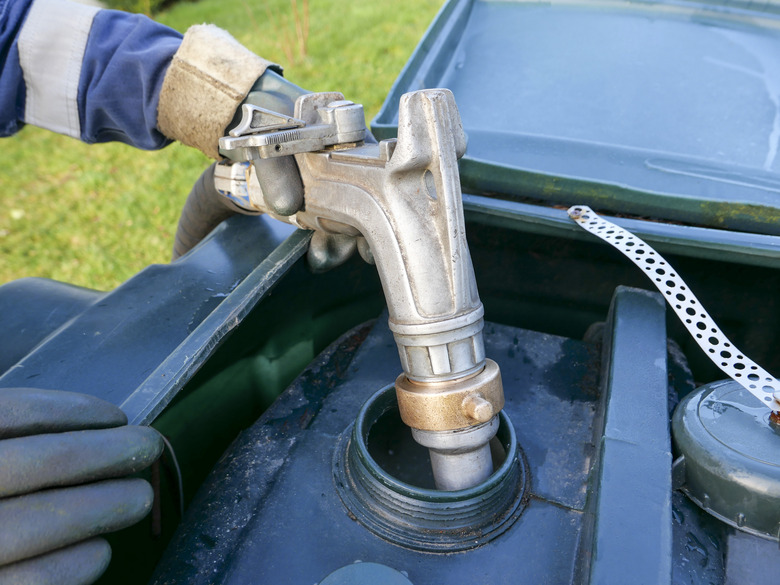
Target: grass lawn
<point>95,215</point>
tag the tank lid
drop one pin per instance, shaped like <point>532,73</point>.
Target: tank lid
<point>578,102</point>
<point>730,457</point>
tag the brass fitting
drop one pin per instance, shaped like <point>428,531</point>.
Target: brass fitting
<point>451,405</point>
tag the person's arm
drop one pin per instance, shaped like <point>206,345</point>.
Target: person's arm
<point>78,70</point>
<point>104,75</point>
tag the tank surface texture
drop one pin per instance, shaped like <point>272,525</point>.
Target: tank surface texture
<point>597,505</point>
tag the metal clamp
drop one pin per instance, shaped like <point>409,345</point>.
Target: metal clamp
<point>443,406</point>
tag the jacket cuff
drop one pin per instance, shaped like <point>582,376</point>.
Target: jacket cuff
<point>209,77</point>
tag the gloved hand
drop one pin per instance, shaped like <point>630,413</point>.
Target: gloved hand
<point>280,181</point>
<point>62,460</point>
<point>211,76</point>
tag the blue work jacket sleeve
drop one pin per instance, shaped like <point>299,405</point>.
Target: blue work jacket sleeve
<point>89,73</point>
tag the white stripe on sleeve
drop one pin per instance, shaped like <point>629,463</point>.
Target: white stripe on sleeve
<point>51,49</point>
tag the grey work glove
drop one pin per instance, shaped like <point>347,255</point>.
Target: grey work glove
<point>63,458</point>
<point>279,178</point>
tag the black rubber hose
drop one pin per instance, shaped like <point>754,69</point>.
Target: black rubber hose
<point>204,210</point>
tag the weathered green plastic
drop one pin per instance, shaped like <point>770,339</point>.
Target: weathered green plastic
<point>666,110</point>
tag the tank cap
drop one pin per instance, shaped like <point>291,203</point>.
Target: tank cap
<point>730,457</point>
<point>362,573</point>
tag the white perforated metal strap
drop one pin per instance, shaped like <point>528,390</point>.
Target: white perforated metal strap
<point>51,49</point>
<point>697,321</point>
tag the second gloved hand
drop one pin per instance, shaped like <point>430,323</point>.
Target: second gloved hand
<point>64,457</point>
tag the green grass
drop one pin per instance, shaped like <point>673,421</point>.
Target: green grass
<point>94,215</point>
